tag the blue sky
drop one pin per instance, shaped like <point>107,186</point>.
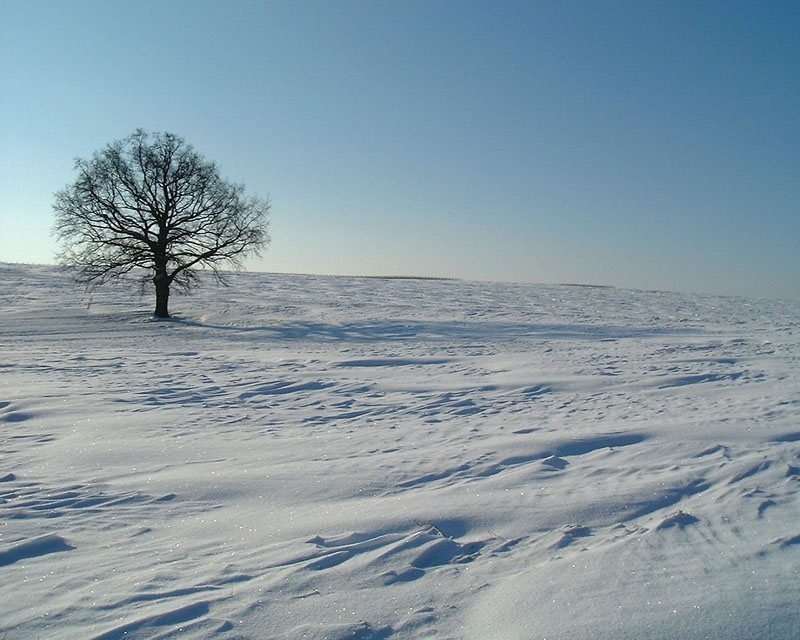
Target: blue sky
<point>653,145</point>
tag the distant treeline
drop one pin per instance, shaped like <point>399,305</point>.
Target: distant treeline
<point>589,286</point>
<point>407,278</point>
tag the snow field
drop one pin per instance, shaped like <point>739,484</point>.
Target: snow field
<point>319,457</point>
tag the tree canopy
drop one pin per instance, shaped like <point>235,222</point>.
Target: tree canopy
<point>151,201</point>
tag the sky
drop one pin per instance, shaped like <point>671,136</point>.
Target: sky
<point>647,145</point>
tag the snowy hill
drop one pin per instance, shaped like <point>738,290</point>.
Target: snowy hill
<point>319,457</point>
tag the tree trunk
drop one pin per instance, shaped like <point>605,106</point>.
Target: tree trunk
<point>162,295</point>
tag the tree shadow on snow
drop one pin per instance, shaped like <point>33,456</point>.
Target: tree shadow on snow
<point>432,331</point>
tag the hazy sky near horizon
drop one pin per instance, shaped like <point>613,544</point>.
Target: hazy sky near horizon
<point>652,145</point>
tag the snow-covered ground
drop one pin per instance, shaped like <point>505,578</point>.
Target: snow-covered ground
<point>319,457</point>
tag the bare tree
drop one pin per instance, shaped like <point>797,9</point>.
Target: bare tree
<point>151,201</point>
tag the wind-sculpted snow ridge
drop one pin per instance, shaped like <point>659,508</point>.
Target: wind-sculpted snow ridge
<point>312,457</point>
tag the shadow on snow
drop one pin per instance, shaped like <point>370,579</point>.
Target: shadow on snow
<point>407,330</point>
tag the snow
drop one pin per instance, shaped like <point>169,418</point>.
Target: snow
<point>321,457</point>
